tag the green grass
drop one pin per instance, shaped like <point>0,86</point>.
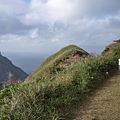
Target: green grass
<point>47,98</point>
<point>51,63</point>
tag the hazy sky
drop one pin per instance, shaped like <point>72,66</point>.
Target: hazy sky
<point>40,26</point>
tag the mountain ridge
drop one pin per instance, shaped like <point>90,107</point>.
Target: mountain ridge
<point>6,67</point>
<point>59,61</point>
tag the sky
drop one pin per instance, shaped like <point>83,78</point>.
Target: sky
<point>45,26</point>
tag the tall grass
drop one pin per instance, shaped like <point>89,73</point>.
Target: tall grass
<point>46,100</point>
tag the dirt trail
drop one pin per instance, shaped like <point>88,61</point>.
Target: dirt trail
<point>104,104</point>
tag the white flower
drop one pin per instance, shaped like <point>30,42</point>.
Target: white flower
<point>92,77</point>
<point>107,73</point>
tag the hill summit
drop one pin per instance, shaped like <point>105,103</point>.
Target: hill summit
<point>59,61</point>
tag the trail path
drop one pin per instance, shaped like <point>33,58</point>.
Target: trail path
<point>104,104</point>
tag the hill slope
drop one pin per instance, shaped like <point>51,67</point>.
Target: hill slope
<point>103,104</point>
<point>59,61</point>
<point>6,66</point>
<point>43,98</point>
<point>112,48</point>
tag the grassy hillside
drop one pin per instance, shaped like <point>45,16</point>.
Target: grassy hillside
<point>102,104</point>
<point>48,97</point>
<point>111,48</point>
<point>59,61</point>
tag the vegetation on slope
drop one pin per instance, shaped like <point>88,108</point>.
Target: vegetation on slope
<point>45,99</point>
<point>111,48</point>
<point>59,61</point>
<point>102,104</point>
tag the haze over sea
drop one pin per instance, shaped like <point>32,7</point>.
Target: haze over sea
<point>26,62</point>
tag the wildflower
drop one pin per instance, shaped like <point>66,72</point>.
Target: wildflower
<point>107,73</point>
<point>92,78</point>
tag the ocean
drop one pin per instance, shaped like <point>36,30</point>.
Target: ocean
<point>27,62</point>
